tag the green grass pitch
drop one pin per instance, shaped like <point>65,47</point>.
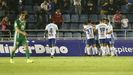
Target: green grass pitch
<point>68,66</point>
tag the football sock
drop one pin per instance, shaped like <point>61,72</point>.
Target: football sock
<point>12,54</point>
<point>52,51</point>
<point>94,50</point>
<point>27,54</point>
<point>113,51</point>
<point>103,50</point>
<point>107,51</point>
<point>89,50</point>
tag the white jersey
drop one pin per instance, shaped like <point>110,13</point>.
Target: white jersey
<point>51,28</point>
<point>102,30</point>
<point>89,32</point>
<point>109,28</point>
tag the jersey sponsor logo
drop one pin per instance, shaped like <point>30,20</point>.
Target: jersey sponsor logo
<point>37,48</point>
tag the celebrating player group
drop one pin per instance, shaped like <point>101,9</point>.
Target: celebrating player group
<point>99,38</point>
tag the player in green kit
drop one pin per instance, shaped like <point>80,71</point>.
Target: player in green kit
<point>20,36</point>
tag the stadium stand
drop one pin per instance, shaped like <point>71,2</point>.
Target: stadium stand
<point>77,35</point>
<point>71,21</point>
<point>66,18</point>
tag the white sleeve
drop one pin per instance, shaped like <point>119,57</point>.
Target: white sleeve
<point>56,27</point>
<point>97,27</point>
<point>127,20</point>
<point>111,28</point>
<point>42,6</point>
<point>16,24</point>
<point>46,28</point>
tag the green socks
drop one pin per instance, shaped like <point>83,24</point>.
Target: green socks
<point>27,54</point>
<point>12,54</point>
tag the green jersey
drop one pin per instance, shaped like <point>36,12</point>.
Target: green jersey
<point>21,26</point>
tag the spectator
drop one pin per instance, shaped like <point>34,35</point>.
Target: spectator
<point>77,6</point>
<point>116,4</point>
<point>104,6</point>
<point>124,6</point>
<point>4,5</point>
<point>58,18</point>
<point>66,6</point>
<point>112,7</point>
<point>44,6</point>
<point>121,5</point>
<point>117,19</point>
<point>21,5</point>
<point>4,24</point>
<point>124,22</point>
<point>43,12</point>
<point>91,6</point>
<point>130,6</point>
<point>38,15</point>
<point>52,8</point>
<point>58,3</point>
<point>13,5</point>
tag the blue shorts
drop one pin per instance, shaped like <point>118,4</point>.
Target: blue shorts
<point>91,42</point>
<point>102,41</point>
<point>109,41</point>
<point>51,42</point>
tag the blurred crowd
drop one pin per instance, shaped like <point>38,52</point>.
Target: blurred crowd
<point>55,8</point>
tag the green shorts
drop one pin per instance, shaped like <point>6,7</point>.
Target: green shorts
<point>20,42</point>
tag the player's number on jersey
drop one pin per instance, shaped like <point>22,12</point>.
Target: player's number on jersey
<point>102,30</point>
<point>90,31</point>
<point>51,32</point>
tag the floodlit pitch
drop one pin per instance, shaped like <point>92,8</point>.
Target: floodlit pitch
<point>68,66</point>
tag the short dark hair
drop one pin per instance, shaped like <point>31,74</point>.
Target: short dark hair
<point>24,12</point>
<point>85,23</point>
<point>89,21</point>
<point>107,20</point>
<point>50,20</point>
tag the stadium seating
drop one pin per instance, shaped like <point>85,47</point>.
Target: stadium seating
<point>74,18</point>
<point>83,18</point>
<point>29,8</point>
<point>130,17</point>
<point>60,35</point>
<point>67,18</point>
<point>130,34</point>
<point>32,18</point>
<point>2,13</point>
<point>31,26</point>
<point>66,26</point>
<point>68,35</point>
<point>72,22</point>
<point>40,35</point>
<point>77,35</point>
<point>93,17</point>
<point>32,35</point>
<point>74,25</point>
